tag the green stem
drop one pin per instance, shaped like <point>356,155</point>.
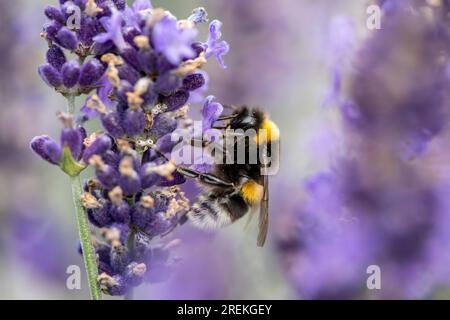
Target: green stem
<point>71,104</point>
<point>89,256</point>
<point>131,245</point>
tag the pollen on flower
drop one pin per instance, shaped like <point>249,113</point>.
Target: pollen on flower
<point>116,196</point>
<point>89,201</point>
<point>184,201</point>
<point>165,170</point>
<point>147,202</point>
<point>112,60</point>
<point>186,24</point>
<point>92,9</point>
<point>142,42</point>
<point>126,167</point>
<point>113,75</point>
<point>192,65</point>
<point>97,162</point>
<point>87,142</point>
<point>157,14</point>
<point>96,104</point>
<point>135,99</point>
<point>124,146</point>
<point>173,209</point>
<point>106,280</point>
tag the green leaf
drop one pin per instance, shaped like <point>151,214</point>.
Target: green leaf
<point>69,165</point>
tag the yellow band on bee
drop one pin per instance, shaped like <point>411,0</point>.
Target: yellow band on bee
<point>269,132</point>
<point>252,192</point>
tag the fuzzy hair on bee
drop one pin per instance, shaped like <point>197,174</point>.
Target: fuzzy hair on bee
<point>233,190</point>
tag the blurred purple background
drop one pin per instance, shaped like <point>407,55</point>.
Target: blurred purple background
<point>296,59</point>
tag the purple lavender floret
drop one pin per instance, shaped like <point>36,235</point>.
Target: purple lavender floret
<point>91,72</point>
<point>56,57</point>
<point>143,64</point>
<point>113,27</point>
<point>215,47</point>
<point>173,42</point>
<point>70,73</point>
<point>67,39</point>
<point>47,149</point>
<point>50,75</point>
<point>72,138</point>
<point>211,112</point>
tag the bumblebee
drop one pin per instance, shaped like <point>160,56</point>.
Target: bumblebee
<point>232,190</point>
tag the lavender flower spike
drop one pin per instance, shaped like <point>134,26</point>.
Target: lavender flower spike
<point>144,66</point>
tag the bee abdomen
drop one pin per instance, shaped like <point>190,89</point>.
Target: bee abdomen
<point>214,213</point>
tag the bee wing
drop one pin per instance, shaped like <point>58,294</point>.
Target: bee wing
<point>250,215</point>
<point>264,214</point>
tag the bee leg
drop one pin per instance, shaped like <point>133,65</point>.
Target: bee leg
<point>205,177</point>
<point>229,117</point>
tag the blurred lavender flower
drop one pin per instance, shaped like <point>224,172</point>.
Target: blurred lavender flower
<point>200,273</point>
<point>373,207</point>
<point>7,46</point>
<point>262,66</point>
<point>401,78</point>
<point>38,244</point>
<point>143,64</point>
<point>341,48</point>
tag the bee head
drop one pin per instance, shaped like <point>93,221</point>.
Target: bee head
<point>247,119</point>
